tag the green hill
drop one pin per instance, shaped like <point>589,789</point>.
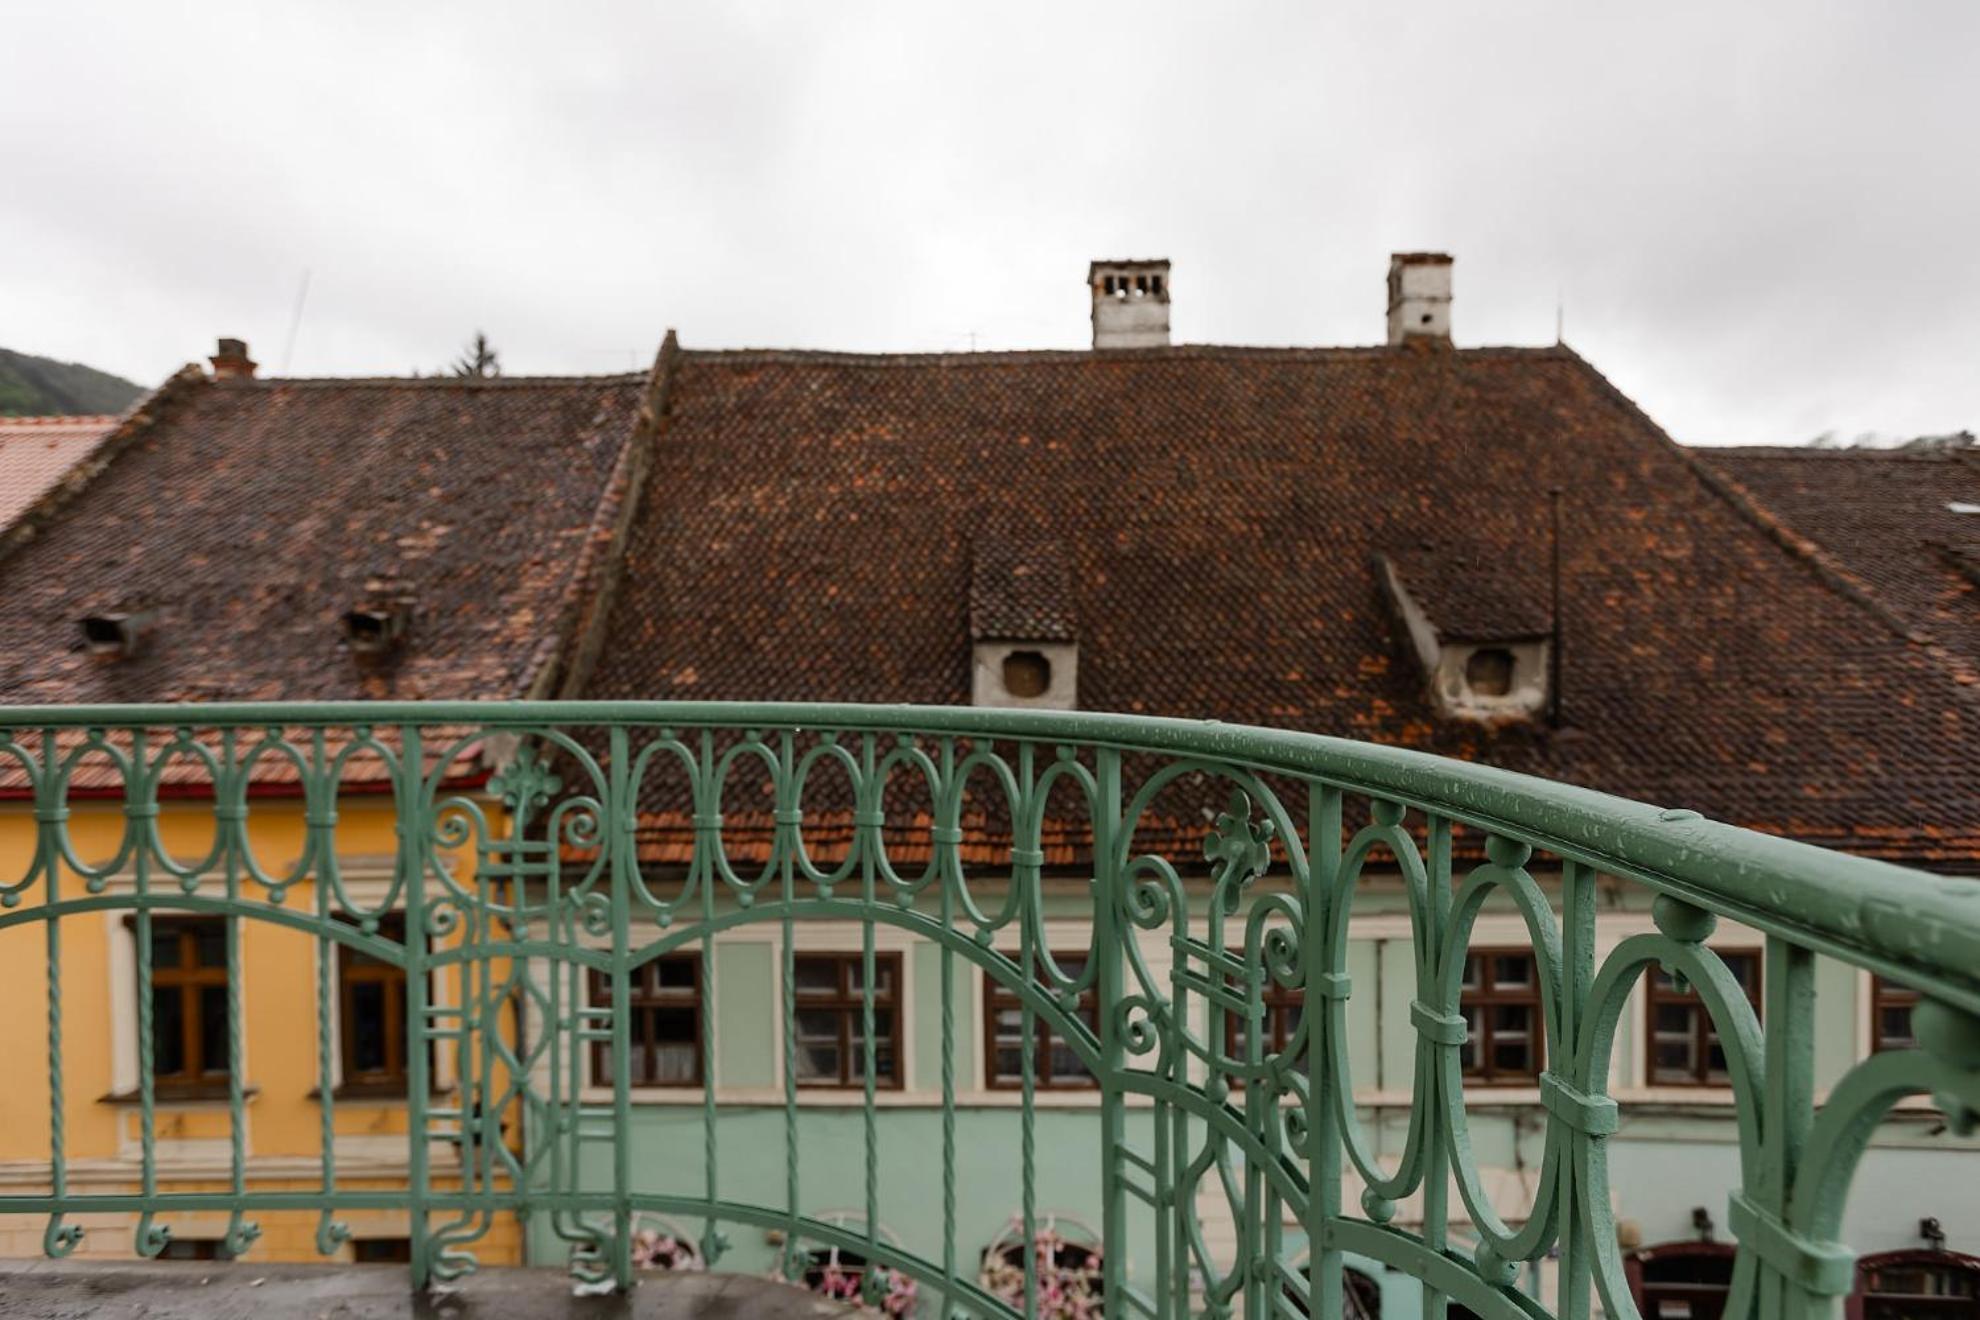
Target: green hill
<point>32,386</point>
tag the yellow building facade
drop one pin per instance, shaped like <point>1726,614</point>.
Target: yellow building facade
<point>278,978</point>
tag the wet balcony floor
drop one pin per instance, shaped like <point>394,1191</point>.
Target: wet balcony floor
<point>198,1290</point>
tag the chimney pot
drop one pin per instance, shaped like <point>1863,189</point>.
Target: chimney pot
<point>1130,303</point>
<point>231,361</point>
<point>1419,298</point>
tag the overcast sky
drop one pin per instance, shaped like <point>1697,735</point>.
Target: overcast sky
<point>1763,218</point>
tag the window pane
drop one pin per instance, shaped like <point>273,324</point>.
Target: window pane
<point>167,1031</point>
<point>1510,1056</point>
<point>817,976</point>
<point>1512,1018</point>
<point>675,974</point>
<point>164,946</point>
<point>672,1026</point>
<point>1065,1063</point>
<point>883,976</point>
<point>1894,1025</point>
<point>1471,965</point>
<point>818,1062</point>
<point>674,1064</point>
<point>1512,970</point>
<point>213,1027</point>
<point>883,1026</point>
<point>210,943</point>
<point>1674,1019</point>
<point>367,1027</point>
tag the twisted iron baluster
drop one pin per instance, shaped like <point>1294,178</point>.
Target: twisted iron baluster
<point>58,1238</point>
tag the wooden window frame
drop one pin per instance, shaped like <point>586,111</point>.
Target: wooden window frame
<point>997,999</point>
<point>1889,994</point>
<point>1280,1002</point>
<point>848,1002</point>
<point>393,1078</point>
<point>1488,995</point>
<point>1702,1028</point>
<point>190,977</point>
<point>645,995</point>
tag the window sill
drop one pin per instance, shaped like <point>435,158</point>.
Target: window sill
<point>375,1092</point>
<point>195,1093</point>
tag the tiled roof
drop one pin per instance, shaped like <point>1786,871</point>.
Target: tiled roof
<point>1019,586</point>
<point>251,514</point>
<point>807,533</point>
<point>36,452</point>
<point>1906,525</point>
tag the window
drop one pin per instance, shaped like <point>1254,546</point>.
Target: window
<point>1681,1280</point>
<point>371,1006</point>
<point>1027,674</point>
<point>1283,1005</point>
<point>1500,1001</point>
<point>179,1248</point>
<point>1684,1046</point>
<point>1054,1064</point>
<point>188,1001</point>
<point>1890,1015</point>
<point>1488,671</point>
<point>664,1001</point>
<point>1919,1285</point>
<point>831,1012</point>
<point>382,1251</point>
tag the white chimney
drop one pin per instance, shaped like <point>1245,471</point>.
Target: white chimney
<point>1130,303</point>
<point>1419,297</point>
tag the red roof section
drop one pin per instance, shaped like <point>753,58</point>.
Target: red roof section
<point>37,452</point>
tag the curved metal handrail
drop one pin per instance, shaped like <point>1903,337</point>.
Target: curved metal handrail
<point>538,867</point>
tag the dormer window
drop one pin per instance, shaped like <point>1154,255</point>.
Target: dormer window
<point>1488,671</point>
<point>373,632</point>
<point>117,635</point>
<point>1024,644</point>
<point>1484,648</point>
<point>1027,674</point>
<point>381,624</point>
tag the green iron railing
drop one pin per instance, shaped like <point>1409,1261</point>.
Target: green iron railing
<point>1217,866</point>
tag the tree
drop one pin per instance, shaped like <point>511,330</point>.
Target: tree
<point>478,360</point>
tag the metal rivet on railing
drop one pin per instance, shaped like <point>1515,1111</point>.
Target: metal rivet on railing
<point>1684,922</point>
<point>1509,853</point>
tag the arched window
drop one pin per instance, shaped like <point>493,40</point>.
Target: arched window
<point>1066,1256</point>
<point>1917,1285</point>
<point>1681,1280</point>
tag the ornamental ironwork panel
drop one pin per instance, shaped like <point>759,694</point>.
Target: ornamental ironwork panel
<point>551,859</point>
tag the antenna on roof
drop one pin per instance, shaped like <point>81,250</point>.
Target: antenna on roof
<point>1554,643</point>
<point>295,321</point>
<point>1560,317</point>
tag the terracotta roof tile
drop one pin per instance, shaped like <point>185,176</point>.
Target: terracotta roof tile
<point>36,452</point>
<point>807,534</point>
<point>252,515</point>
<point>1888,518</point>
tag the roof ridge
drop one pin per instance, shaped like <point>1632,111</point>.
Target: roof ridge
<point>1826,455</point>
<point>1829,571</point>
<point>1020,356</point>
<point>61,419</point>
<point>465,382</point>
